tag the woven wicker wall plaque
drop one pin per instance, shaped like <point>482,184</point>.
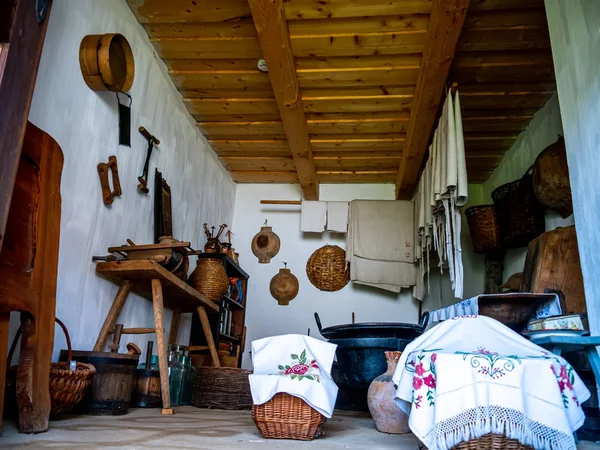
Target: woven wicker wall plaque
<point>327,268</point>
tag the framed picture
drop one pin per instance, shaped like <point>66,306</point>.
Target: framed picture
<point>163,225</point>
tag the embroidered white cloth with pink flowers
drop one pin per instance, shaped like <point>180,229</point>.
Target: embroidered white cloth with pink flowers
<point>471,375</point>
<point>296,364</point>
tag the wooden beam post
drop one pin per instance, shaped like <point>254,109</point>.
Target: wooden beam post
<point>273,34</point>
<point>445,25</point>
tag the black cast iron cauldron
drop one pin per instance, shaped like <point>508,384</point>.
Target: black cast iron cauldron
<point>361,347</point>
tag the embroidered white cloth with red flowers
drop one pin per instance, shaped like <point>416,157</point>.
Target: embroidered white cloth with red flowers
<point>471,375</point>
<point>296,364</point>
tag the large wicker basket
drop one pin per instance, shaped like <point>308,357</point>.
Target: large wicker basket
<point>210,279</point>
<point>221,388</point>
<point>327,268</point>
<point>483,225</point>
<point>287,417</point>
<point>67,387</point>
<point>488,442</point>
<point>520,216</point>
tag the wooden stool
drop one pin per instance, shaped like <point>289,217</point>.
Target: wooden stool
<point>150,280</point>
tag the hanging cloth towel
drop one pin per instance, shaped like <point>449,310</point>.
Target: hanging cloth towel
<point>297,365</point>
<point>313,216</point>
<point>337,217</point>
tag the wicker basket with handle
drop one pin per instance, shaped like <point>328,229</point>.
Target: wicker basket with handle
<point>67,387</point>
<point>489,441</point>
<point>287,417</point>
<point>483,226</point>
<point>327,268</point>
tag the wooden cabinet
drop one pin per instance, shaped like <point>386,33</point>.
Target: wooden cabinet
<point>236,305</point>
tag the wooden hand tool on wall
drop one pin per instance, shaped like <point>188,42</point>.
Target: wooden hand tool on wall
<point>143,186</point>
<point>103,168</point>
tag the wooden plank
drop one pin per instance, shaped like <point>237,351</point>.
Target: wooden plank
<point>356,142</point>
<point>355,44</point>
<point>150,11</point>
<point>444,29</point>
<point>113,315</point>
<point>243,145</point>
<point>273,117</point>
<point>383,163</point>
<point>384,98</point>
<point>483,40</point>
<point>241,128</point>
<point>159,325</point>
<point>358,123</point>
<point>358,25</point>
<point>206,107</point>
<point>525,18</point>
<point>213,65</point>
<point>273,34</point>
<point>358,176</point>
<point>217,48</point>
<point>315,9</point>
<point>191,80</point>
<point>19,62</point>
<point>229,29</point>
<point>227,93</point>
<point>264,177</point>
<point>504,100</point>
<point>258,164</point>
<point>357,155</point>
<point>358,71</point>
<point>491,5</point>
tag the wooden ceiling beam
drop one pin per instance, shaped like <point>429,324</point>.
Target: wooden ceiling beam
<point>445,24</point>
<point>273,34</point>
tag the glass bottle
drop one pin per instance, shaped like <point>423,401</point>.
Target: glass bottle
<point>175,377</point>
<point>186,388</point>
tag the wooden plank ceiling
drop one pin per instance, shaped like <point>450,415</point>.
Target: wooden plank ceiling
<point>357,63</point>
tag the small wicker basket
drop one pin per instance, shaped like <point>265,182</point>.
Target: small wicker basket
<point>327,268</point>
<point>287,417</point>
<point>221,388</point>
<point>67,387</point>
<point>488,442</point>
<point>483,225</point>
<point>210,279</point>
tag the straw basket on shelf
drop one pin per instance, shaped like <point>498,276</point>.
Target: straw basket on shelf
<point>210,279</point>
<point>483,226</point>
<point>287,417</point>
<point>488,442</point>
<point>67,387</point>
<point>327,268</point>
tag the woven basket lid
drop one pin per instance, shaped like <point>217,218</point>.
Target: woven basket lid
<point>327,268</point>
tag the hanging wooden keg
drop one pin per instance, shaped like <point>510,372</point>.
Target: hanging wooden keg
<point>210,278</point>
<point>265,245</point>
<point>106,62</point>
<point>551,179</point>
<point>284,286</point>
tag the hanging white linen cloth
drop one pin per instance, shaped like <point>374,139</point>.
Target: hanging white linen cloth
<point>471,375</point>
<point>313,216</point>
<point>337,217</point>
<point>471,307</point>
<point>380,244</point>
<point>296,364</point>
<point>442,189</point>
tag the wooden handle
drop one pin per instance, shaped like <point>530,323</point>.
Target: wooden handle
<point>133,349</point>
<point>148,136</point>
<point>281,202</point>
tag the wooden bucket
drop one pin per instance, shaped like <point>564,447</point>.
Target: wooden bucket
<point>106,62</point>
<point>113,382</point>
<point>147,389</point>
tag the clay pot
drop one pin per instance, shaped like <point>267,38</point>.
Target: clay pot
<point>210,279</point>
<point>388,417</point>
<point>284,287</point>
<point>265,245</point>
<point>212,245</point>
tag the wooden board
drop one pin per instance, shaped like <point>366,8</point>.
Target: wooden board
<point>553,262</point>
<point>177,293</point>
<point>314,9</point>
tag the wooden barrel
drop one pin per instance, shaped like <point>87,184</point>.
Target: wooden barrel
<point>147,392</point>
<point>106,62</point>
<point>113,382</point>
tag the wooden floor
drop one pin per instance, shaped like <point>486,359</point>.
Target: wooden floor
<point>193,428</point>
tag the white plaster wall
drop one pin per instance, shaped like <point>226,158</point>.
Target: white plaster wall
<point>84,123</point>
<point>264,317</point>
<point>542,131</point>
<point>575,41</point>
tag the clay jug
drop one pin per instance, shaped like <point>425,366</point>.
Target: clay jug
<point>265,245</point>
<point>284,286</point>
<point>388,417</point>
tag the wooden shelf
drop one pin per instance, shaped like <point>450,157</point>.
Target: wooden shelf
<point>233,269</point>
<point>233,303</point>
<point>229,338</point>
